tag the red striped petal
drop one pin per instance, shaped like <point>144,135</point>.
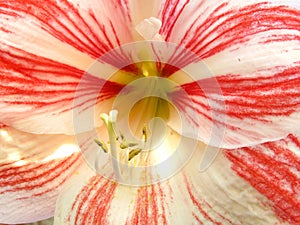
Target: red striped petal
<point>234,110</point>
<point>207,28</point>
<point>217,196</point>
<point>45,55</point>
<point>274,170</point>
<point>228,39</point>
<point>251,94</point>
<point>32,170</point>
<point>92,27</point>
<point>37,94</point>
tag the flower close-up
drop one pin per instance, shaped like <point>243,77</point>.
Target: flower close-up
<point>150,112</point>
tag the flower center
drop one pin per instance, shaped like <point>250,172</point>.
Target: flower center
<point>148,108</point>
<point>143,109</point>
<point>138,146</point>
<point>128,153</point>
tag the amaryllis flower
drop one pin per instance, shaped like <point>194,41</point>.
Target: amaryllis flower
<point>150,112</point>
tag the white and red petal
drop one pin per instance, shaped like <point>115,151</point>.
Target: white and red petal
<point>45,55</point>
<point>32,170</point>
<point>273,168</point>
<point>207,28</point>
<point>234,111</point>
<point>217,196</point>
<point>92,27</point>
<point>38,94</point>
<point>249,91</point>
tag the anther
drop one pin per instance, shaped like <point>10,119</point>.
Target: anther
<point>134,153</point>
<point>102,145</point>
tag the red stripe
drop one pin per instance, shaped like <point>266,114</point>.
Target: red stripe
<point>2,125</point>
<point>104,198</point>
<point>198,219</point>
<point>295,140</point>
<point>141,210</point>
<point>273,170</point>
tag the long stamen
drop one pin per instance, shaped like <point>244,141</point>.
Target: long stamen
<point>110,122</point>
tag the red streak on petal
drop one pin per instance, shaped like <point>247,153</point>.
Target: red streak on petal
<point>2,125</point>
<point>295,140</point>
<point>198,219</point>
<point>273,170</point>
<point>93,202</point>
<point>281,38</point>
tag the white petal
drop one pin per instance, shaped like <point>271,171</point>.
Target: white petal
<point>32,170</point>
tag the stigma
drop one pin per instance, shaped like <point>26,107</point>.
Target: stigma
<point>149,28</point>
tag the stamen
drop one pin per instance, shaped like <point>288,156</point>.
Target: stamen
<point>102,145</point>
<point>134,153</point>
<point>110,122</point>
<point>122,136</point>
<point>145,135</point>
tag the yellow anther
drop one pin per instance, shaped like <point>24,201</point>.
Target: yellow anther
<point>134,153</point>
<point>145,135</point>
<point>102,145</point>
